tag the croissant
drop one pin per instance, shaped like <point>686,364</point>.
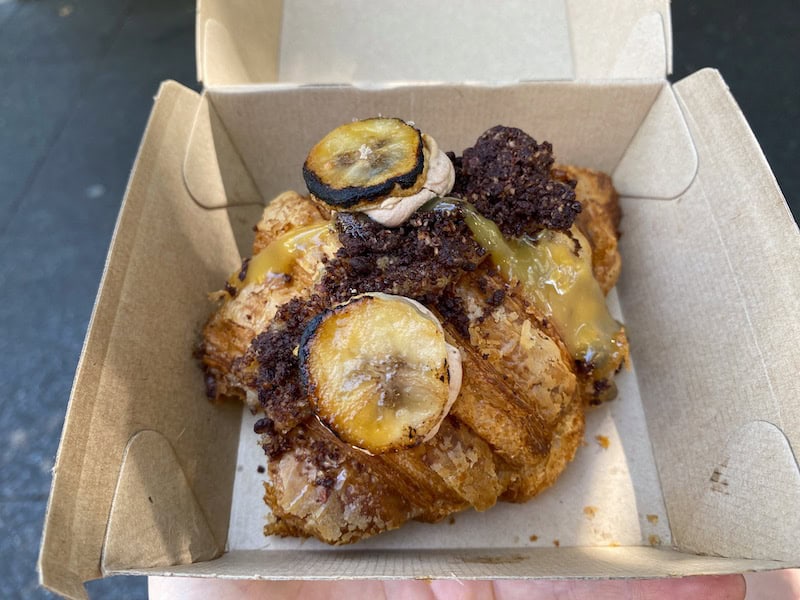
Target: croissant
<point>518,417</point>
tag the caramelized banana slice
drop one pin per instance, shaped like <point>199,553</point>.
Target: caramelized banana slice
<point>379,372</point>
<point>366,160</point>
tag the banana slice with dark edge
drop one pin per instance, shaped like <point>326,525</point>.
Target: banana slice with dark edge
<point>364,161</point>
<point>379,372</point>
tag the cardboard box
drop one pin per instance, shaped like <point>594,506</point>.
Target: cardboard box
<point>700,476</point>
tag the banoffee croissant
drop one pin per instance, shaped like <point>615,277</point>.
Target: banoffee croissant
<point>412,369</point>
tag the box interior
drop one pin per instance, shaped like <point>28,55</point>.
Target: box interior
<point>641,133</point>
<point>617,127</point>
<point>361,42</point>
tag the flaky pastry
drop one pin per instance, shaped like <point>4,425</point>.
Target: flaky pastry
<point>339,332</point>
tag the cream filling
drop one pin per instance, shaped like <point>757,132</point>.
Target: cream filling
<point>439,180</point>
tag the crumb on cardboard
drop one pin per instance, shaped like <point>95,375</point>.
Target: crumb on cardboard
<point>653,519</point>
<point>603,441</point>
<point>533,537</point>
<point>556,543</point>
<point>261,469</point>
<point>590,511</point>
<point>654,540</point>
<point>451,520</point>
<point>613,544</point>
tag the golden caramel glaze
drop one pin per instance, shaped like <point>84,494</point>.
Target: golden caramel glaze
<point>599,220</point>
<point>555,273</point>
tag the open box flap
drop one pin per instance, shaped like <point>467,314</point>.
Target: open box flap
<point>661,160</point>
<point>223,57</point>
<point>715,272</point>
<point>636,38</point>
<point>119,390</point>
<point>213,170</point>
<point>648,149</point>
<point>155,518</point>
<point>265,42</point>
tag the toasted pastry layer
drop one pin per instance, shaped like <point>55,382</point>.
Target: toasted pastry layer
<point>231,329</point>
<point>599,221</point>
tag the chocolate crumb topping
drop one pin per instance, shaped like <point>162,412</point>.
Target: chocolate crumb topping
<point>417,259</point>
<point>506,176</point>
<point>272,442</point>
<point>280,392</point>
<point>243,271</point>
<point>325,456</point>
<point>497,297</point>
<point>452,309</point>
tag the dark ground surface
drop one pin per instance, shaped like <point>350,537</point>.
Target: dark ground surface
<point>77,79</point>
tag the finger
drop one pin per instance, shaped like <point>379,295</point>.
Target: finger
<point>774,584</point>
<point>729,587</point>
<point>454,589</point>
<point>709,587</point>
<point>189,588</point>
<point>196,588</point>
<point>712,587</point>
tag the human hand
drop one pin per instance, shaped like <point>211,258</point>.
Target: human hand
<point>724,587</point>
